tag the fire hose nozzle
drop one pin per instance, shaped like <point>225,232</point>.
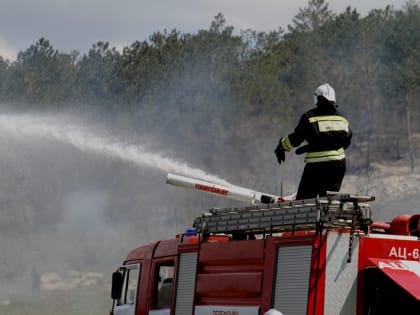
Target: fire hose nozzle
<point>231,191</point>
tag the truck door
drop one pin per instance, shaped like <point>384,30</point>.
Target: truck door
<point>126,304</point>
<point>162,284</point>
<point>291,287</point>
<point>292,283</point>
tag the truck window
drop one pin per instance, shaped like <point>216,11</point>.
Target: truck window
<point>383,296</point>
<point>163,284</point>
<point>126,305</point>
<point>131,277</point>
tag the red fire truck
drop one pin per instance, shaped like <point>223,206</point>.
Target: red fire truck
<point>317,256</point>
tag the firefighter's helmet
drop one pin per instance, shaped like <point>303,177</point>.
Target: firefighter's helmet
<point>273,311</point>
<point>326,91</point>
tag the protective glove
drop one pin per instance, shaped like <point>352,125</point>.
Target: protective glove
<point>302,149</point>
<point>279,151</point>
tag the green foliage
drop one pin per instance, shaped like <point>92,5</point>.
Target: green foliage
<point>223,98</point>
<point>265,77</point>
<point>42,75</point>
<point>312,17</point>
<point>3,77</point>
<point>97,74</point>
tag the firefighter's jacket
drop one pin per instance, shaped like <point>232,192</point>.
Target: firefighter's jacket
<point>326,131</point>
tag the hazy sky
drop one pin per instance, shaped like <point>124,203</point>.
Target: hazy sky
<point>78,24</point>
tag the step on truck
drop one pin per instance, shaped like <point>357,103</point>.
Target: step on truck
<point>316,256</point>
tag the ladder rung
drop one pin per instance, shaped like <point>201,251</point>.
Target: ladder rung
<point>337,210</point>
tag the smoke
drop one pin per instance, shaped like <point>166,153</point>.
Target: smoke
<point>84,209</point>
<point>75,196</point>
<point>80,137</point>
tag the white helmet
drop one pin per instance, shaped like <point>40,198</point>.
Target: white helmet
<point>273,311</point>
<point>326,91</point>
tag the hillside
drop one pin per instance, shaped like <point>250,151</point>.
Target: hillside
<point>77,197</point>
<point>395,186</point>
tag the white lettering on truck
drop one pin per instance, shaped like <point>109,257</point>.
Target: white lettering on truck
<point>392,265</point>
<point>226,310</point>
<point>403,253</point>
<point>225,313</point>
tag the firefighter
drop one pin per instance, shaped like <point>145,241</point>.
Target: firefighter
<point>327,133</point>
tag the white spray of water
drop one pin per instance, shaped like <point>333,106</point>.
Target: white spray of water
<point>61,129</point>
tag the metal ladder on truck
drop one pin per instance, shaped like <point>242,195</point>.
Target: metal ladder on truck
<point>336,210</point>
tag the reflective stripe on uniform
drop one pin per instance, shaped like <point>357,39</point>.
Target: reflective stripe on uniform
<point>328,117</point>
<point>285,142</point>
<point>330,123</point>
<point>325,156</point>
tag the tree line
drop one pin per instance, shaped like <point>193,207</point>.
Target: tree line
<point>239,85</point>
<point>219,99</point>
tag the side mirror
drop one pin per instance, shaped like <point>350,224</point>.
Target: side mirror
<point>117,283</point>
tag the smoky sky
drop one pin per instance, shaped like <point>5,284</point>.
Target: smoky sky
<point>78,24</point>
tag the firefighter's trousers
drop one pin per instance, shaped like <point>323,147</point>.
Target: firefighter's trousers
<point>320,177</point>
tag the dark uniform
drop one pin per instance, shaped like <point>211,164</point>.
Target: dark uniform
<point>327,133</point>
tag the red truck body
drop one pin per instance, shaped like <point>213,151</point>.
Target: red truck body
<point>342,264</point>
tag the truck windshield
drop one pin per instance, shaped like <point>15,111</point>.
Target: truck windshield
<point>384,296</point>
